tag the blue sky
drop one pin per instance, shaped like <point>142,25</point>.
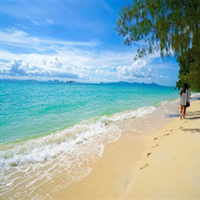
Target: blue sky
<point>73,40</point>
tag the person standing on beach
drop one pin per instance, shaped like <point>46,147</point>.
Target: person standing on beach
<point>184,100</point>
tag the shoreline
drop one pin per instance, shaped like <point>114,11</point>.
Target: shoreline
<point>164,164</point>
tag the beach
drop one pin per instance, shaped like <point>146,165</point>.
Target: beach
<point>96,141</point>
<point>162,165</point>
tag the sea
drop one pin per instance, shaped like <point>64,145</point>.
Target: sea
<point>52,134</point>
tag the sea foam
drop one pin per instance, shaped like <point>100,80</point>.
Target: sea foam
<point>66,141</point>
<point>68,153</point>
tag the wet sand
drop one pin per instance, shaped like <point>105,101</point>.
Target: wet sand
<point>162,165</point>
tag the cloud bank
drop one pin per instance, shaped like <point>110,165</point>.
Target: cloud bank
<point>69,60</point>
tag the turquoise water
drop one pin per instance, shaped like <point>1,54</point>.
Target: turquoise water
<point>32,110</point>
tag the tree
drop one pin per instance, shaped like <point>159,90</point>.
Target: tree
<point>165,26</point>
<point>186,74</point>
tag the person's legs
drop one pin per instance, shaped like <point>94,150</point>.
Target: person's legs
<point>181,111</point>
<point>184,111</point>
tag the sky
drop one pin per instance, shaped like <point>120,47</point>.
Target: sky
<point>73,40</point>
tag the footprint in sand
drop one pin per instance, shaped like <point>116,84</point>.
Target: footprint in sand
<point>144,167</point>
<point>166,134</point>
<point>127,183</point>
<point>180,127</point>
<point>155,138</point>
<point>148,154</point>
<point>157,145</point>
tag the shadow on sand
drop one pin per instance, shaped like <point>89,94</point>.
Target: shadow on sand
<point>193,130</point>
<point>193,115</point>
<point>190,115</point>
<point>171,116</point>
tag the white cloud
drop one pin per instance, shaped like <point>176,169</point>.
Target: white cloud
<point>53,68</point>
<point>20,38</point>
<point>161,76</point>
<point>105,72</point>
<point>133,71</point>
<point>37,23</point>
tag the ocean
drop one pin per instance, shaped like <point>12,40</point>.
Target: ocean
<point>60,130</point>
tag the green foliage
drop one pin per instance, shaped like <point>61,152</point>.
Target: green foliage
<point>184,70</point>
<point>162,24</point>
<point>165,26</point>
<point>189,72</point>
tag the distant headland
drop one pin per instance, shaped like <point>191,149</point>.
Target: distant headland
<point>74,82</point>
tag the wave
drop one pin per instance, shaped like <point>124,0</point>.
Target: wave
<point>68,153</point>
<point>58,143</point>
<point>104,130</point>
<point>195,95</point>
<point>132,113</point>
